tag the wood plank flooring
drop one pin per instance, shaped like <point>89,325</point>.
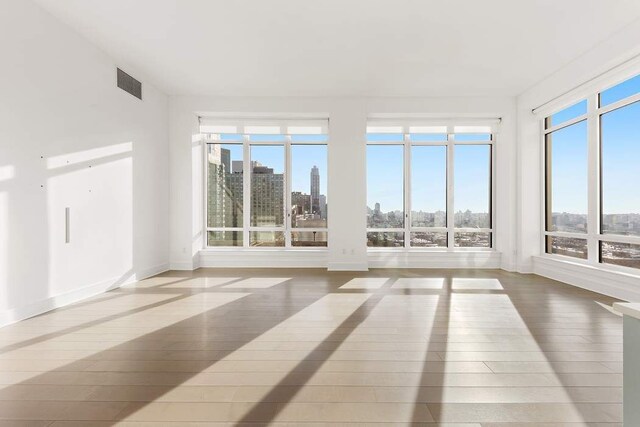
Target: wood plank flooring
<point>292,346</point>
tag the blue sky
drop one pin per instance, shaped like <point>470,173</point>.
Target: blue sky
<point>385,177</point>
<point>429,178</point>
<point>620,139</point>
<point>620,91</point>
<point>428,170</point>
<point>569,169</point>
<point>621,160</point>
<point>472,178</point>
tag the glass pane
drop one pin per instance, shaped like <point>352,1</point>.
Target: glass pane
<point>576,248</point>
<point>472,137</point>
<point>267,185</point>
<point>620,130</point>
<point>429,186</point>
<point>309,186</point>
<point>385,186</point>
<point>472,186</point>
<point>391,137</point>
<point>385,239</point>
<point>567,179</point>
<point>224,238</point>
<point>623,90</point>
<point>309,238</point>
<point>472,239</point>
<point>230,137</point>
<point>417,137</point>
<point>422,239</point>
<point>266,238</point>
<point>625,254</point>
<point>224,185</point>
<point>576,110</point>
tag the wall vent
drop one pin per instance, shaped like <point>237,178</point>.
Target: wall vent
<point>129,84</point>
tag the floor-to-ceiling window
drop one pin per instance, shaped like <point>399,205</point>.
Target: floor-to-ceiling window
<point>429,186</point>
<point>592,178</point>
<point>266,183</point>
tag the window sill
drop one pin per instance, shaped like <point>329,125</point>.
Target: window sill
<point>605,280</point>
<point>433,258</point>
<point>583,263</point>
<point>264,249</point>
<point>430,250</point>
<point>264,257</point>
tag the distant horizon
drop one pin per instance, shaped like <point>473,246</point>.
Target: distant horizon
<point>385,177</point>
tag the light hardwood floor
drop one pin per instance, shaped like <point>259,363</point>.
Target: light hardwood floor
<point>288,346</point>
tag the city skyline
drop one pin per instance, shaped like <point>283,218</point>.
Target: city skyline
<point>267,164</point>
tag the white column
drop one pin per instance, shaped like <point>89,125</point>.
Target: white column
<point>347,186</point>
<point>185,189</point>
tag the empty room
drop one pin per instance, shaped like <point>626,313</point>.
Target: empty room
<point>309,213</point>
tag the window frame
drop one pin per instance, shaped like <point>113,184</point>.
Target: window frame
<point>593,117</point>
<point>407,143</point>
<point>247,229</point>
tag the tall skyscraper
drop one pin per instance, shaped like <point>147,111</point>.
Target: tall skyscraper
<point>315,190</point>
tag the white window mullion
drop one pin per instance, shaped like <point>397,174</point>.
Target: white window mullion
<point>544,193</point>
<point>407,191</point>
<point>287,196</point>
<point>493,190</point>
<point>205,168</point>
<point>246,190</point>
<point>450,201</point>
<point>593,167</point>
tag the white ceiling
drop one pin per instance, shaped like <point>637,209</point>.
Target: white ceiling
<point>345,47</point>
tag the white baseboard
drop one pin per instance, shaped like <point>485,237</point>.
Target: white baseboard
<point>181,265</point>
<point>263,258</point>
<point>347,266</point>
<point>14,315</point>
<point>612,283</point>
<point>417,259</point>
<point>151,271</point>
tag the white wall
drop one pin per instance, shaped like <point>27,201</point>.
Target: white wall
<point>70,138</point>
<point>582,76</point>
<point>346,181</point>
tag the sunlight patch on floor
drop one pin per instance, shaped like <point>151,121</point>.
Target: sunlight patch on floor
<point>317,322</point>
<point>109,335</point>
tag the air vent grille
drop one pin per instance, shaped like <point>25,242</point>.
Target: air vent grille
<point>129,84</point>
